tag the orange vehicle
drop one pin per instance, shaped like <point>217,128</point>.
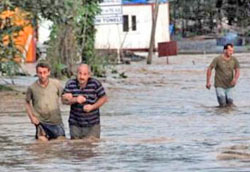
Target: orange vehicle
<point>25,39</point>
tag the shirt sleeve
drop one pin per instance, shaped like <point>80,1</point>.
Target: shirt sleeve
<point>100,92</point>
<point>59,87</point>
<point>213,63</point>
<point>237,64</point>
<point>67,88</point>
<point>28,95</point>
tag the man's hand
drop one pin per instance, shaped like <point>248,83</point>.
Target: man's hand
<point>208,85</point>
<point>34,120</point>
<point>233,82</point>
<point>88,108</point>
<point>69,99</point>
<point>67,96</point>
<point>98,104</point>
<point>32,117</point>
<point>80,99</point>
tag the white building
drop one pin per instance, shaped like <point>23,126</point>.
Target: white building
<point>128,26</point>
<point>125,26</point>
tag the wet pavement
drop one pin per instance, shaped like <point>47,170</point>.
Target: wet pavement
<point>160,118</point>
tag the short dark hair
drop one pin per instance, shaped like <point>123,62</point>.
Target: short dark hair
<point>228,45</point>
<point>43,64</point>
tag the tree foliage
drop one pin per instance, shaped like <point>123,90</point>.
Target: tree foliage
<point>238,14</point>
<point>73,32</point>
<point>10,52</point>
<point>207,16</point>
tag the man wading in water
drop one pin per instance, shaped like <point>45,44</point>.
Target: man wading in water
<point>227,73</point>
<point>85,95</point>
<point>42,105</point>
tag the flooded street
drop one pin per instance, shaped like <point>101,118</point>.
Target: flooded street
<point>160,118</point>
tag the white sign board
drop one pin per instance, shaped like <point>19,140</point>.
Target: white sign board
<point>111,12</point>
<point>109,19</point>
<point>111,2</point>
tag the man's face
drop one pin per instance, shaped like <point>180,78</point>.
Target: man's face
<point>229,51</point>
<point>83,75</point>
<point>43,74</point>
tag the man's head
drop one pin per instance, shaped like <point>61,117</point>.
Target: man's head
<point>228,50</point>
<point>83,74</point>
<point>43,71</point>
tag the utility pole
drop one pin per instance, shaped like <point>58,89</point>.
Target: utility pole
<point>152,38</point>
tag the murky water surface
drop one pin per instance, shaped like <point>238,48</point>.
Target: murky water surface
<point>161,118</point>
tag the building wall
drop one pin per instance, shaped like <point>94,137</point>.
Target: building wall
<point>112,36</point>
<point>163,24</point>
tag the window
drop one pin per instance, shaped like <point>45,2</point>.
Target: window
<point>133,22</point>
<point>125,23</point>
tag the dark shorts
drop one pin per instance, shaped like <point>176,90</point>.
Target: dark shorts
<point>84,132</point>
<point>50,131</point>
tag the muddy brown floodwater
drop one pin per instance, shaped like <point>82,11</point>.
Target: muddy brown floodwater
<point>160,118</point>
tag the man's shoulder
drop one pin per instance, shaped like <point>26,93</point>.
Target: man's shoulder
<point>234,58</point>
<point>91,79</point>
<point>215,60</point>
<point>71,81</point>
<point>33,85</point>
<point>54,81</point>
<point>32,88</point>
<point>94,81</point>
<point>218,57</point>
<point>71,84</point>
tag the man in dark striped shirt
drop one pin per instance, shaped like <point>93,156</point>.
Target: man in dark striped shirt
<point>85,95</point>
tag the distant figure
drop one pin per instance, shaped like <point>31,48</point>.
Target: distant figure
<point>85,95</point>
<point>227,73</point>
<point>42,105</point>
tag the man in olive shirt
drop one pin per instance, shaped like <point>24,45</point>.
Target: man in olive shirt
<point>42,104</point>
<point>227,73</point>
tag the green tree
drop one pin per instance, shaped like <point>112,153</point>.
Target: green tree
<point>73,32</point>
<point>237,13</point>
<point>201,16</point>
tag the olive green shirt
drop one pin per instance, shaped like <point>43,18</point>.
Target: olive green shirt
<point>45,101</point>
<point>224,71</point>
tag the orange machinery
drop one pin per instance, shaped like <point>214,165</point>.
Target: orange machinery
<point>25,40</point>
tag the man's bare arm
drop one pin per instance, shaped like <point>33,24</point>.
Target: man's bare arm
<point>32,117</point>
<point>209,74</point>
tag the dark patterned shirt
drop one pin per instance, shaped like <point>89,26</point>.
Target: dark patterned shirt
<point>92,92</point>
